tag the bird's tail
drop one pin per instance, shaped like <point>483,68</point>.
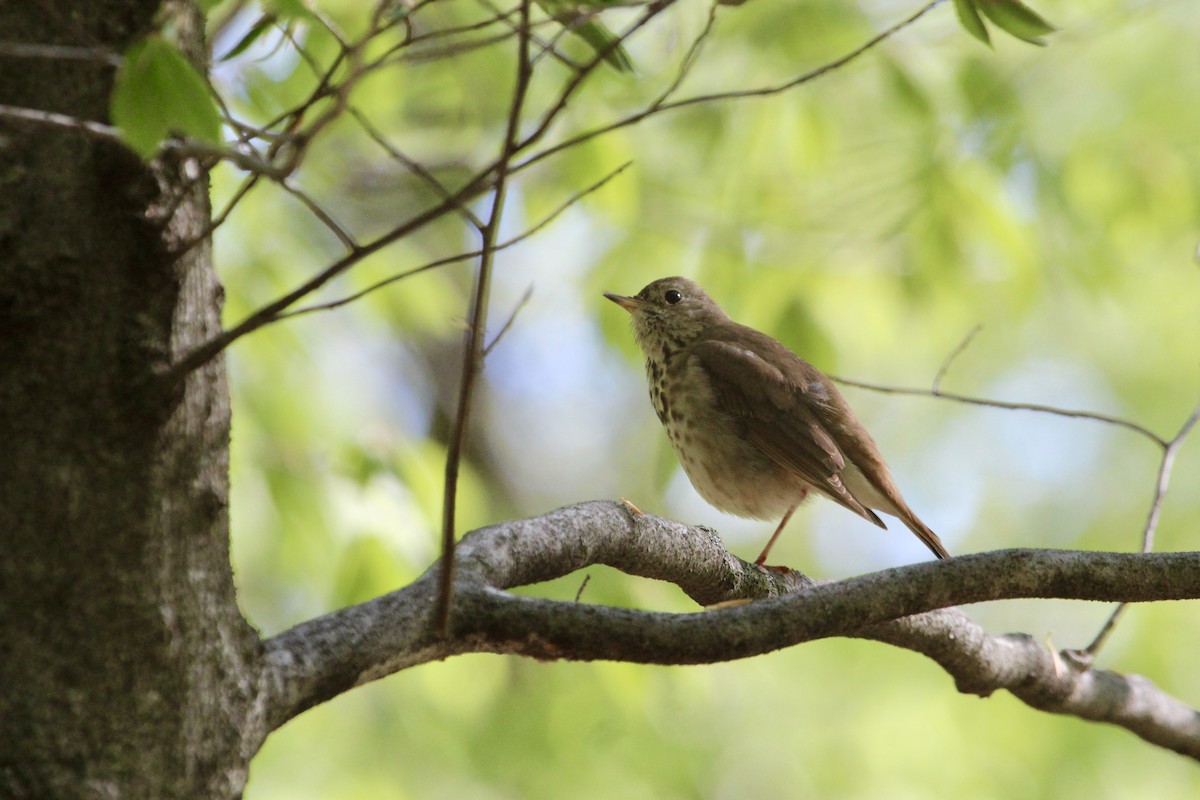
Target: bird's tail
<point>927,536</point>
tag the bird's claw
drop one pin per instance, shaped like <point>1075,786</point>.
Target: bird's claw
<point>637,512</point>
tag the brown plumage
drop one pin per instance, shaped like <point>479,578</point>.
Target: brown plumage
<point>755,426</point>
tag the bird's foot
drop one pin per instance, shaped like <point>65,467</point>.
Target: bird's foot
<point>637,512</point>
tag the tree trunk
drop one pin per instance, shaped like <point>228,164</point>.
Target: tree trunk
<point>126,668</point>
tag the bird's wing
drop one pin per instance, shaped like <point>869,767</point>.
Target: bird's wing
<point>777,416</point>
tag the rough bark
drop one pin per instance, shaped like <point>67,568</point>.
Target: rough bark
<point>126,669</point>
<point>123,658</point>
<point>908,607</point>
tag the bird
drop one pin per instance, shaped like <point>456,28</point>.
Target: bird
<point>756,428</point>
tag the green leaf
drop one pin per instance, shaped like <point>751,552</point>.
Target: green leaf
<point>289,9</point>
<point>158,93</point>
<point>602,40</point>
<point>968,17</point>
<point>264,24</point>
<point>1018,19</point>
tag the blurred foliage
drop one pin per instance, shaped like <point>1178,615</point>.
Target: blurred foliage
<point>869,219</point>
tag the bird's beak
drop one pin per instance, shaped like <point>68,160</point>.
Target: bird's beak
<point>630,304</point>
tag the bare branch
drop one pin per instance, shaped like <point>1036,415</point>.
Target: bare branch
<point>270,312</point>
<point>473,345</point>
<point>413,166</point>
<point>454,259</point>
<point>322,658</point>
<point>321,214</point>
<point>484,179</point>
<point>689,58</point>
<point>1043,679</point>
<point>955,353</point>
<point>52,119</point>
<point>544,47</point>
<point>449,51</point>
<point>981,401</point>
<point>497,18</point>
<point>568,91</point>
<point>245,158</point>
<point>1161,484</point>
<point>525,298</point>
<point>60,52</point>
<point>762,91</point>
<point>582,586</point>
<point>220,218</point>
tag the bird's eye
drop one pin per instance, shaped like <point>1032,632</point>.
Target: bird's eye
<point>672,297</point>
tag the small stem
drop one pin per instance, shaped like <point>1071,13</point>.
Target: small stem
<point>1004,404</point>
<point>525,298</point>
<point>1161,484</point>
<point>474,344</point>
<point>955,353</point>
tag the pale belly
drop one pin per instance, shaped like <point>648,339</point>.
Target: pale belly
<point>727,471</point>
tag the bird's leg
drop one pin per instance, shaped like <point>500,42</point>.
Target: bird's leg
<point>762,557</point>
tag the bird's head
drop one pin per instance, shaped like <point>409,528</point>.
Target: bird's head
<point>670,311</point>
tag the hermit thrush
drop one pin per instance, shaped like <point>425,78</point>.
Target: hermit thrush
<point>755,426</point>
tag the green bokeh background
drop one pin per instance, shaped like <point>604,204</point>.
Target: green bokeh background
<point>869,219</point>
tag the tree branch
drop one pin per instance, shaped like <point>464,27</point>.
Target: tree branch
<point>476,336</point>
<point>1161,483</point>
<point>317,660</point>
<point>483,179</point>
<point>454,259</point>
<point>1006,405</point>
<point>662,104</point>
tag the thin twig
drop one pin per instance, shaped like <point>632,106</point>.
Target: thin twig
<point>512,317</point>
<point>339,94</point>
<point>441,262</point>
<point>97,130</point>
<point>374,287</point>
<point>444,33</point>
<point>328,24</point>
<point>251,162</point>
<point>220,218</point>
<point>60,52</point>
<point>955,353</point>
<point>1161,484</point>
<point>413,166</point>
<point>763,91</point>
<point>690,58</point>
<point>1088,654</point>
<point>320,213</point>
<point>473,347</point>
<point>549,48</point>
<point>1164,479</point>
<point>348,53</point>
<point>396,54</point>
<point>579,593</point>
<point>980,401</point>
<point>573,85</point>
<point>484,179</point>
<point>271,312</point>
<point>423,55</point>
